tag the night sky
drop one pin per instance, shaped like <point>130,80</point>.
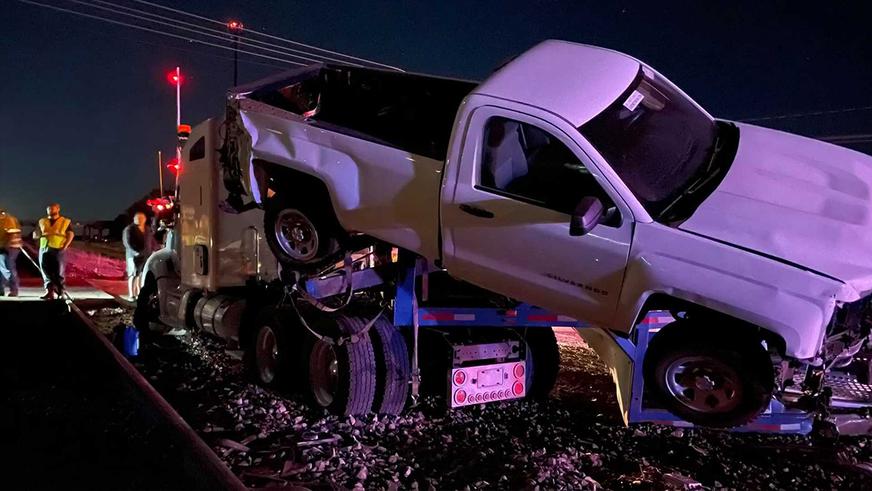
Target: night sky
<point>86,104</point>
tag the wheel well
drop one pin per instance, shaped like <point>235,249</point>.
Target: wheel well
<point>275,177</point>
<point>677,306</point>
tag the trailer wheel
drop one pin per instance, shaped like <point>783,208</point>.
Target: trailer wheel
<point>392,366</point>
<point>146,315</point>
<point>543,361</point>
<point>302,232</point>
<point>708,378</point>
<point>269,353</point>
<point>342,378</point>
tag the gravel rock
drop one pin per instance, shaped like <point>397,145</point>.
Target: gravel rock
<point>576,440</point>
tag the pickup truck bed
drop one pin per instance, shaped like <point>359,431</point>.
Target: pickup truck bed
<point>405,111</point>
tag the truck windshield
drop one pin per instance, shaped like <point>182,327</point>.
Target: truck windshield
<point>655,139</point>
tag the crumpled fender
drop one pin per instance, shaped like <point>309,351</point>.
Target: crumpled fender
<point>782,298</point>
<point>374,188</point>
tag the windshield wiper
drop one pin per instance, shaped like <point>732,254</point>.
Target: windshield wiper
<point>703,177</point>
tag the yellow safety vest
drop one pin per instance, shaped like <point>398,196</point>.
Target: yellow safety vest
<point>53,236</point>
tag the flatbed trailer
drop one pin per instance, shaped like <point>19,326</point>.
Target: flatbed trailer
<point>850,398</point>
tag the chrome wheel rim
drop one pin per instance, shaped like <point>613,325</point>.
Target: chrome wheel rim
<point>703,384</point>
<point>324,373</point>
<point>267,354</point>
<point>296,235</point>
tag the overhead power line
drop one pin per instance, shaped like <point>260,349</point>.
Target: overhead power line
<point>847,139</point>
<point>803,115</point>
<point>202,30</point>
<point>223,36</point>
<point>269,36</point>
<point>155,31</point>
<point>200,52</point>
<point>861,136</point>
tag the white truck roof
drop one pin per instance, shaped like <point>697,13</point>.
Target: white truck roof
<point>574,81</point>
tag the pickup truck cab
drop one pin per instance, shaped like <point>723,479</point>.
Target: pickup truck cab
<point>580,180</point>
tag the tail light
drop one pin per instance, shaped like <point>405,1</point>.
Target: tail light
<point>518,388</point>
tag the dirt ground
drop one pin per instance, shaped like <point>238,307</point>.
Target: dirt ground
<point>575,440</point>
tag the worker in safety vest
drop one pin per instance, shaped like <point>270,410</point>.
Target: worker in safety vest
<point>10,246</point>
<point>55,236</point>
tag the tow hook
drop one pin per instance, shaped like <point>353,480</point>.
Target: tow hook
<point>817,401</point>
<point>823,430</point>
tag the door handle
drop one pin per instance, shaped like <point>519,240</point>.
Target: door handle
<point>476,211</point>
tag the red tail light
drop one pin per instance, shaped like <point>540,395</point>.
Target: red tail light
<point>518,388</point>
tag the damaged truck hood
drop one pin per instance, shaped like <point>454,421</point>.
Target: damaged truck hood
<point>796,199</point>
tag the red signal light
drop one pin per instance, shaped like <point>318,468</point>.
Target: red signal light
<point>234,25</point>
<point>174,78</point>
<point>160,204</point>
<point>174,166</point>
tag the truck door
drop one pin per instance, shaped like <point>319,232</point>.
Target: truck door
<point>506,213</point>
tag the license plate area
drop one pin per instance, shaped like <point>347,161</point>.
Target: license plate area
<point>481,384</point>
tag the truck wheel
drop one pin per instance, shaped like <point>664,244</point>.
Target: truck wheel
<point>146,315</point>
<point>269,353</point>
<point>342,378</point>
<point>717,380</point>
<point>392,366</point>
<point>543,361</point>
<point>302,233</point>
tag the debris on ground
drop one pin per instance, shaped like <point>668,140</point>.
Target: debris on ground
<point>576,440</point>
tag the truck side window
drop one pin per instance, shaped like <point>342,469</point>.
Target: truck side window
<point>524,162</point>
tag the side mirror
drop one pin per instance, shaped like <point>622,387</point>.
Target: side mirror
<point>588,214</point>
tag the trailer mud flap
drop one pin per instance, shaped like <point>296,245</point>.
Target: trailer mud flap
<point>616,357</point>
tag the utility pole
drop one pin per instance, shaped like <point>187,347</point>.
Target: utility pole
<point>235,27</point>
<point>175,78</point>
<point>178,111</point>
<point>160,172</point>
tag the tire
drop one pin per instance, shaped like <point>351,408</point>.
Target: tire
<point>302,231</point>
<point>733,376</point>
<point>146,314</point>
<point>343,378</point>
<point>543,361</point>
<point>269,350</point>
<point>392,367</point>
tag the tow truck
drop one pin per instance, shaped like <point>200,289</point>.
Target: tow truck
<point>366,235</point>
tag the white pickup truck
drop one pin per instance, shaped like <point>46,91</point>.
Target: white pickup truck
<point>580,180</point>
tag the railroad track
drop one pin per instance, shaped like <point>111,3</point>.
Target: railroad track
<point>75,414</point>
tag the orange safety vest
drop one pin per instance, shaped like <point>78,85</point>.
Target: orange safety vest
<point>10,232</point>
<point>53,236</point>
